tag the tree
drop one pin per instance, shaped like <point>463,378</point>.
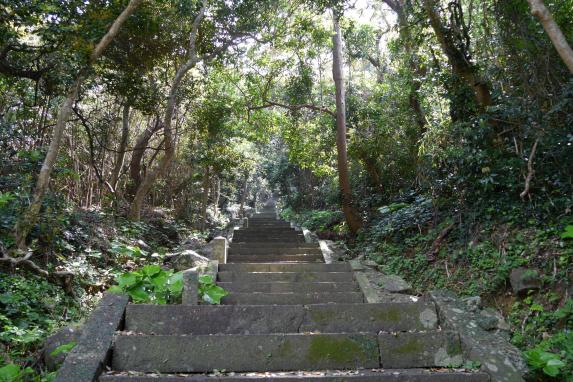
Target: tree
<point>29,218</point>
<point>351,214</point>
<point>454,41</point>
<point>539,10</point>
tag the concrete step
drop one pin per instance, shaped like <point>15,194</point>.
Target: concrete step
<point>293,240</point>
<point>272,319</point>
<point>274,251</point>
<point>277,244</point>
<point>277,352</point>
<point>270,267</point>
<point>236,298</point>
<point>265,235</point>
<point>385,375</point>
<point>286,276</point>
<point>275,258</point>
<point>283,287</point>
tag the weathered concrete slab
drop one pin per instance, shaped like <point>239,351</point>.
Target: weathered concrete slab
<point>269,267</point>
<point>278,244</point>
<point>275,251</point>
<point>190,295</point>
<point>429,349</point>
<point>386,317</point>
<point>88,358</point>
<point>398,375</point>
<point>500,359</point>
<point>208,319</point>
<point>292,298</point>
<point>286,276</point>
<point>283,287</point>
<point>245,353</point>
<point>275,259</point>
<point>235,319</point>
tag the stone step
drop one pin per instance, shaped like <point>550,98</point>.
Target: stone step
<point>274,251</point>
<point>264,234</point>
<point>293,240</point>
<point>385,375</point>
<point>275,258</point>
<point>278,352</point>
<point>282,287</point>
<point>272,319</point>
<point>277,244</point>
<point>270,267</point>
<point>286,276</point>
<point>237,298</point>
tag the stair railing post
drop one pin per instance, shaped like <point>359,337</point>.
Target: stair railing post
<point>220,249</point>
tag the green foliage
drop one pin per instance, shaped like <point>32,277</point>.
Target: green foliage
<point>15,373</point>
<point>64,348</point>
<point>210,292</point>
<point>550,363</point>
<point>150,284</point>
<point>30,309</point>
<point>568,233</point>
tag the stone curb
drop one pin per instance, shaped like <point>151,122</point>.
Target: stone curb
<point>88,358</point>
<point>500,359</point>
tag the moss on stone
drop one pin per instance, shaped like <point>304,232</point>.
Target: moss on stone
<point>410,346</point>
<point>340,350</point>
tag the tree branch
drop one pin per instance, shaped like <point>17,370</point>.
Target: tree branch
<point>297,107</point>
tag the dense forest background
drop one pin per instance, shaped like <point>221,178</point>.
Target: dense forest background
<point>433,137</point>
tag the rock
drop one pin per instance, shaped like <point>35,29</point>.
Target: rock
<point>523,280</point>
<point>370,263</point>
<point>492,319</point>
<point>487,322</point>
<point>473,303</point>
<point>143,245</point>
<point>61,337</point>
<point>186,259</point>
<point>394,284</point>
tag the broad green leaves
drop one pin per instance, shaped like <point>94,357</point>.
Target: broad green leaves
<point>209,292</point>
<point>550,363</point>
<point>150,284</point>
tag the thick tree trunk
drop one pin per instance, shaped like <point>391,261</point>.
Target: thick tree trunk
<point>159,170</point>
<point>120,156</point>
<point>350,213</point>
<point>460,65</point>
<point>29,218</point>
<point>141,144</point>
<point>557,37</point>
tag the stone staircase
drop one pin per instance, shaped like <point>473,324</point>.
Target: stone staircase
<point>289,317</point>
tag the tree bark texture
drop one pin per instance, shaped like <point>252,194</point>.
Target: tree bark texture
<point>351,215</point>
<point>539,10</point>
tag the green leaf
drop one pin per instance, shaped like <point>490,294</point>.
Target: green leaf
<point>206,279</point>
<point>65,348</point>
<point>9,373</point>
<point>139,294</point>
<point>553,367</point>
<point>150,270</point>
<point>568,233</point>
<point>213,294</point>
<point>127,280</point>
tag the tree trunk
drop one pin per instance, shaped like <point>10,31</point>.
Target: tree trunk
<point>557,37</point>
<point>243,195</point>
<point>350,213</point>
<point>159,170</point>
<point>461,66</point>
<point>205,199</point>
<point>120,156</point>
<point>29,218</point>
<point>137,156</point>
